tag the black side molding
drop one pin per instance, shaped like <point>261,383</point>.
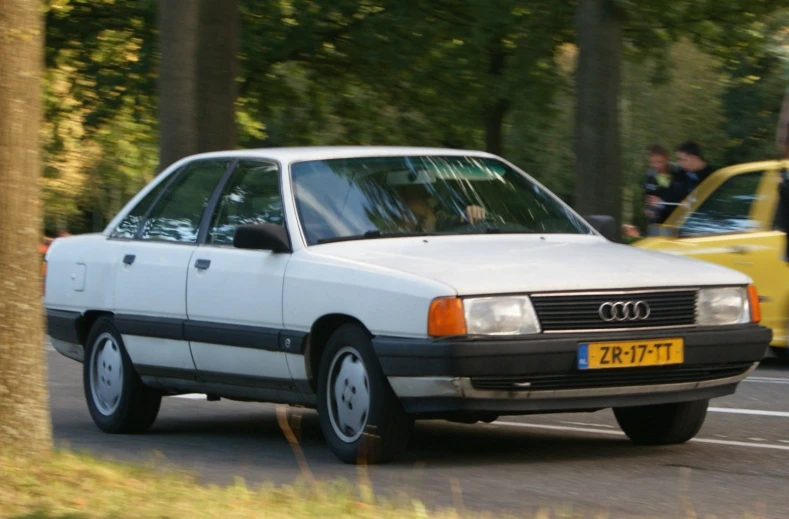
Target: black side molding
<point>64,325</point>
<point>254,337</point>
<point>232,335</point>
<point>145,326</point>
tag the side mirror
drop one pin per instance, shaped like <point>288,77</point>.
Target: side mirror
<point>605,225</point>
<point>262,237</point>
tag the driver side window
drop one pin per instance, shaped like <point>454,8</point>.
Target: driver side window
<point>727,209</point>
<point>251,196</point>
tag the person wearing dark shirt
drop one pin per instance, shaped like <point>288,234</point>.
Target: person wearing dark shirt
<point>662,187</point>
<point>695,168</point>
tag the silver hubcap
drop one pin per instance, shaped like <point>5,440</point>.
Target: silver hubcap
<point>106,374</point>
<point>348,393</point>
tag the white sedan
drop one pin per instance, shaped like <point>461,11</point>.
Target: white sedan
<point>382,285</point>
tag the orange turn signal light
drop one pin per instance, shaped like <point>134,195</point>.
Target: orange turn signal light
<point>446,317</point>
<point>753,299</point>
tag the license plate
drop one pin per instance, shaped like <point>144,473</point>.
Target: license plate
<point>628,354</point>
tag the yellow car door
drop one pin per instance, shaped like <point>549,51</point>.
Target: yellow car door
<point>769,271</point>
<point>729,220</point>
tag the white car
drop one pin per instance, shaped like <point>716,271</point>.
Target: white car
<point>382,285</point>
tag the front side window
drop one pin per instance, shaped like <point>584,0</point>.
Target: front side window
<point>379,196</point>
<point>176,217</point>
<point>251,196</point>
<point>727,209</point>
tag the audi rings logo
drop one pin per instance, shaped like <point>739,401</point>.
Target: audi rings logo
<point>621,311</point>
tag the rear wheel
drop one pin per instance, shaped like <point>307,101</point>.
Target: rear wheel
<point>361,418</point>
<point>662,424</point>
<point>117,399</point>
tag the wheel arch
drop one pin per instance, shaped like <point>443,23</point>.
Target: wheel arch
<point>317,339</point>
<point>86,322</point>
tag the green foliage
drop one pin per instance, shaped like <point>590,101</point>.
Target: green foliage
<point>109,45</point>
<point>100,130</point>
<point>443,73</point>
<point>666,113</point>
<point>452,61</point>
<point>756,82</point>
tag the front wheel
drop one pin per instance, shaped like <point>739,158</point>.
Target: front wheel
<point>662,424</point>
<point>780,352</point>
<point>361,418</point>
<point>117,399</point>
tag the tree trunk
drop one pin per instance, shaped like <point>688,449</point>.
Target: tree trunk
<point>498,107</point>
<point>177,92</point>
<point>782,130</point>
<point>494,127</point>
<point>598,163</point>
<point>25,425</point>
<point>217,68</point>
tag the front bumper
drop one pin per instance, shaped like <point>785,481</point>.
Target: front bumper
<point>540,374</point>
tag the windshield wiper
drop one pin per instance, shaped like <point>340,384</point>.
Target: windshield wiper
<point>375,234</point>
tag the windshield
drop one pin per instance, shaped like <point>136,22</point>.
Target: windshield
<point>366,197</point>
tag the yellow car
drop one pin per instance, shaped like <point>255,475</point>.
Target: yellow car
<point>730,219</point>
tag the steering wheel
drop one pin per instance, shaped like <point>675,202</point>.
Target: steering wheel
<point>491,221</point>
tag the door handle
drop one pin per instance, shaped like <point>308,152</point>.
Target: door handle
<point>202,264</point>
<point>738,249</point>
<point>129,259</point>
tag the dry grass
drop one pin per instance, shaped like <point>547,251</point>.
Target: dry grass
<point>76,486</point>
<point>68,485</point>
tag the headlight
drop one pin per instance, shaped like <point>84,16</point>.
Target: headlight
<point>721,306</point>
<point>500,316</point>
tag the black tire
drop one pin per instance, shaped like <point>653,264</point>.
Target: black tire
<point>663,424</point>
<point>779,352</point>
<point>383,435</point>
<point>136,407</point>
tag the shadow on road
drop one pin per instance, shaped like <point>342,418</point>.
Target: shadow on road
<point>437,443</point>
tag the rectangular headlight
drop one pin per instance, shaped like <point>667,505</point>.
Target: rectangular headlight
<point>500,316</point>
<point>721,306</point>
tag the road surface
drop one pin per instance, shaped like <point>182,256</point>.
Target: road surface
<point>738,464</point>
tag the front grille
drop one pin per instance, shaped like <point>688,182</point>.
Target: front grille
<point>582,311</point>
<point>610,378</point>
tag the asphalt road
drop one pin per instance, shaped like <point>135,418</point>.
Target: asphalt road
<point>738,464</point>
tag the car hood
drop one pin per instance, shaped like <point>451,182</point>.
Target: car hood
<point>495,264</point>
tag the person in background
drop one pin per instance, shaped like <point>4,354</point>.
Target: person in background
<point>693,164</point>
<point>661,189</point>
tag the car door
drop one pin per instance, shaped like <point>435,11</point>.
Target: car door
<point>730,221</point>
<point>770,272</point>
<point>234,296</point>
<point>150,282</point>
<point>722,222</point>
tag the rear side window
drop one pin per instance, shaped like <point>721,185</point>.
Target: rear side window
<point>129,226</point>
<point>176,216</point>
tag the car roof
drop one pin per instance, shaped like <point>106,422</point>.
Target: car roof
<point>749,166</point>
<point>291,154</point>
